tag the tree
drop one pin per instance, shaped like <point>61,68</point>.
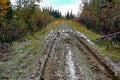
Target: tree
<point>23,3</point>
<point>71,15</point>
<point>68,15</point>
<point>101,15</point>
<point>55,13</point>
<point>27,18</point>
<point>4,7</point>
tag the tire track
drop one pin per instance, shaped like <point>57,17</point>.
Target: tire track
<point>61,61</point>
<point>106,69</point>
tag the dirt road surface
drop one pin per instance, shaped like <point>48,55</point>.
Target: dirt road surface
<point>69,55</point>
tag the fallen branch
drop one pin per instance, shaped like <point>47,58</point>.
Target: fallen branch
<point>110,36</point>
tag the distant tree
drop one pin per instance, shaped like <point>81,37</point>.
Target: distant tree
<point>55,13</point>
<point>69,15</point>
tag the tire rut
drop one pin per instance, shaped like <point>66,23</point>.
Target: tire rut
<point>104,71</point>
<point>61,61</point>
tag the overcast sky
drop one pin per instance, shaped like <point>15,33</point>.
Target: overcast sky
<point>63,5</point>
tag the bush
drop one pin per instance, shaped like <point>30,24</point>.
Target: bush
<point>25,19</point>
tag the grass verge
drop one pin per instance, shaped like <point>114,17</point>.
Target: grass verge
<point>112,51</point>
<point>24,56</point>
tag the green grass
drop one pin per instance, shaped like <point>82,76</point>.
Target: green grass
<point>112,51</point>
<point>24,56</point>
<point>90,34</point>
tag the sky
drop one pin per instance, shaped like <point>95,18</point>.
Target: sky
<point>63,5</point>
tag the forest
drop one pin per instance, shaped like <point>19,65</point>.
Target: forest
<point>102,16</point>
<point>17,20</point>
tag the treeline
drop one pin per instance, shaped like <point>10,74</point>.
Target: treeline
<point>58,14</point>
<point>53,12</point>
<point>24,17</point>
<point>70,15</point>
<point>102,16</point>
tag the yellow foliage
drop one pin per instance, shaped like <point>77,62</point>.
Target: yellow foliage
<point>4,1</point>
<point>4,7</point>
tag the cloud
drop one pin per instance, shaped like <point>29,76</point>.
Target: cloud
<point>63,6</point>
<point>56,2</point>
<point>13,1</point>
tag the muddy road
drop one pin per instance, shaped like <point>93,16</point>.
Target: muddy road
<point>69,55</point>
